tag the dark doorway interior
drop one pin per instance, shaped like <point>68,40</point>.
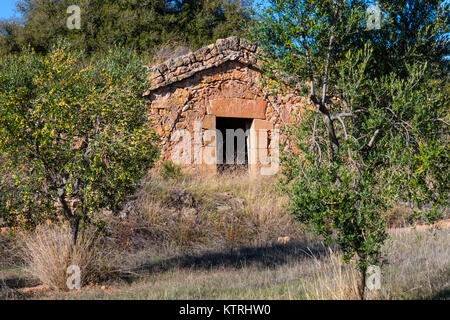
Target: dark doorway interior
<point>222,124</point>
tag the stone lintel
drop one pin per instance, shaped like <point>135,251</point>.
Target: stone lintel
<point>238,108</point>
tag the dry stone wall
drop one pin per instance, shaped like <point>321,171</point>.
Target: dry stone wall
<point>217,79</point>
<point>180,68</point>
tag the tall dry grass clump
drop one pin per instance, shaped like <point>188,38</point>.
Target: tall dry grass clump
<point>48,252</point>
<point>332,280</point>
<point>418,265</point>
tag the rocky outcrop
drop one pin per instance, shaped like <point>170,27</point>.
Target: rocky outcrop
<point>214,55</point>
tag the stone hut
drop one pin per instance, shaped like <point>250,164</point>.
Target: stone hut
<point>215,88</point>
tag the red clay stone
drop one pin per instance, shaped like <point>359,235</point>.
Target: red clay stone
<point>238,108</point>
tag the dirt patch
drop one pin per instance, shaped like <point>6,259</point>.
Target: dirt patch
<point>444,224</point>
<point>37,290</point>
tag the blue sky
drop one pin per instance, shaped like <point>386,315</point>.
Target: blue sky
<point>7,9</point>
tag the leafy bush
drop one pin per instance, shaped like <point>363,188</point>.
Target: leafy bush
<point>74,134</point>
<point>142,25</point>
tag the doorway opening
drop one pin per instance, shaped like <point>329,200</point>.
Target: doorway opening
<point>235,159</point>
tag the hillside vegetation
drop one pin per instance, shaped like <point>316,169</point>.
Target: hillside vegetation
<point>83,184</point>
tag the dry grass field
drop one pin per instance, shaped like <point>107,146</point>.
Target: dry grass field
<point>219,238</point>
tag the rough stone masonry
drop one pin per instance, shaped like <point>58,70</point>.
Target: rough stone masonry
<point>222,80</point>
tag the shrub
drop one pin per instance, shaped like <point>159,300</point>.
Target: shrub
<point>74,133</point>
<point>8,251</point>
<point>48,252</point>
<point>170,170</point>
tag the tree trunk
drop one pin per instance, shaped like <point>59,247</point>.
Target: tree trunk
<point>74,220</point>
<point>74,228</point>
<point>334,143</point>
<point>326,116</point>
<point>362,283</point>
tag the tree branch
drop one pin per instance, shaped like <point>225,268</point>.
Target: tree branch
<point>325,73</point>
<point>372,140</point>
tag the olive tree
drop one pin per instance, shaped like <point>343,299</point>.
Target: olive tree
<point>368,138</point>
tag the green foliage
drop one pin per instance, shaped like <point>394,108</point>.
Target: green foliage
<point>73,133</point>
<point>170,170</point>
<point>139,24</point>
<point>289,31</point>
<point>412,30</point>
<point>372,137</point>
<point>334,198</point>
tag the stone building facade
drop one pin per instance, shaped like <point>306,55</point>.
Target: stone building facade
<point>215,88</point>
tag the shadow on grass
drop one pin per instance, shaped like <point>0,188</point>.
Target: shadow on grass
<point>256,257</point>
<point>9,287</point>
<point>18,282</point>
<point>443,294</point>
<point>441,286</point>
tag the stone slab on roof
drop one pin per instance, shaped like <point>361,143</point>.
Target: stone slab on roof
<point>183,67</point>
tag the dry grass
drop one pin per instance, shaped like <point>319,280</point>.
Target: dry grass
<point>195,238</point>
<point>286,272</point>
<point>48,252</point>
<point>193,214</point>
<point>333,279</point>
<point>417,265</point>
<point>169,50</point>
